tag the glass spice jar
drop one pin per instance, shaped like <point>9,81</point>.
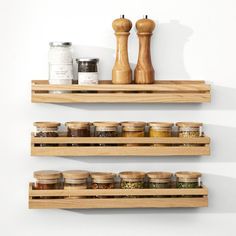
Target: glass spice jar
<point>102,180</point>
<point>46,130</point>
<point>132,179</point>
<point>106,130</point>
<point>78,129</point>
<point>133,129</point>
<point>159,179</point>
<point>75,180</point>
<point>87,70</point>
<point>160,130</point>
<point>189,130</point>
<point>185,179</point>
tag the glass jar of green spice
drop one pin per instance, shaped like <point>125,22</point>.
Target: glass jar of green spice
<point>185,179</point>
<point>159,179</point>
<point>132,180</point>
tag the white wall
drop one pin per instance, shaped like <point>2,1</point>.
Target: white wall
<point>193,40</point>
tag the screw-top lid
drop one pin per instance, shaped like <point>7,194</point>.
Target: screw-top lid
<point>188,175</point>
<point>60,44</point>
<point>132,175</point>
<point>46,124</point>
<point>122,24</point>
<point>189,124</point>
<point>93,60</point>
<point>47,174</point>
<point>159,175</point>
<point>145,25</point>
<point>75,174</point>
<point>77,125</point>
<point>161,124</point>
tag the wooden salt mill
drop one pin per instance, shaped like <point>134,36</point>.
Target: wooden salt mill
<point>121,72</point>
<point>144,72</point>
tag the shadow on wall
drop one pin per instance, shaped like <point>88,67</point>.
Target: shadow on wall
<point>222,151</point>
<point>222,194</point>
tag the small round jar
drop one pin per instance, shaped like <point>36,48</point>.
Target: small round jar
<point>102,180</point>
<point>133,130</point>
<point>106,130</point>
<point>185,179</point>
<point>160,130</point>
<point>159,179</point>
<point>46,130</point>
<point>189,130</point>
<point>78,129</point>
<point>47,180</point>
<point>87,70</point>
<point>132,180</point>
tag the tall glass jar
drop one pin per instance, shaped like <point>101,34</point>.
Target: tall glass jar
<point>189,130</point>
<point>87,70</point>
<point>46,130</point>
<point>160,130</point>
<point>133,129</point>
<point>159,179</point>
<point>186,179</point>
<point>78,129</point>
<point>60,64</point>
<point>106,130</point>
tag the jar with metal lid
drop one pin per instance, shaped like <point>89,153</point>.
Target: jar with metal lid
<point>106,130</point>
<point>75,180</point>
<point>160,130</point>
<point>133,129</point>
<point>47,179</point>
<point>189,130</point>
<point>159,179</point>
<point>87,70</point>
<point>186,179</point>
<point>47,130</point>
<point>78,129</point>
<point>132,179</point>
<point>60,64</point>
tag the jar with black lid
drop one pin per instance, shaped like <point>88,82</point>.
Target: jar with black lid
<point>87,70</point>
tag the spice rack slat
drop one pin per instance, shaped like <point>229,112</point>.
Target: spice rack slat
<point>166,91</point>
<point>147,198</point>
<point>63,150</point>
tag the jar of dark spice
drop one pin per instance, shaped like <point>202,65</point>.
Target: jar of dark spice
<point>159,179</point>
<point>78,129</point>
<point>132,180</point>
<point>46,130</point>
<point>87,70</point>
<point>185,179</point>
<point>106,130</point>
<point>133,130</point>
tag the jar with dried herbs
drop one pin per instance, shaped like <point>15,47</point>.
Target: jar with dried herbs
<point>102,180</point>
<point>133,130</point>
<point>46,130</point>
<point>160,130</point>
<point>185,179</point>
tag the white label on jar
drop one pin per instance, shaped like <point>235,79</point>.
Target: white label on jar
<point>87,77</point>
<point>61,72</point>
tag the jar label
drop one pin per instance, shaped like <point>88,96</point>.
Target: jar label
<point>87,77</point>
<point>61,72</point>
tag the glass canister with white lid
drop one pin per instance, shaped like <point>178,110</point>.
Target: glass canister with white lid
<point>60,64</point>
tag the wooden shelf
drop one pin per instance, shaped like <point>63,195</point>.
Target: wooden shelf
<point>145,198</point>
<point>62,148</point>
<point>163,91</point>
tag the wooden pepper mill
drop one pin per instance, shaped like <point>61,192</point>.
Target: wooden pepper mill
<point>144,72</point>
<point>121,72</point>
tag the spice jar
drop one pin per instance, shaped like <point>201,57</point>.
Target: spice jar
<point>102,180</point>
<point>132,180</point>
<point>47,179</point>
<point>189,130</point>
<point>159,179</point>
<point>159,130</point>
<point>78,129</point>
<point>60,64</point>
<point>133,129</point>
<point>46,129</point>
<point>106,129</point>
<point>87,70</point>
<point>185,179</point>
<point>75,180</point>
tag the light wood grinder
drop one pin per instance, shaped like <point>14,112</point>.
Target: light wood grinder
<point>121,72</point>
<point>144,72</point>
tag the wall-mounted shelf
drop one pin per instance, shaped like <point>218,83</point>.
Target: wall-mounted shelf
<point>144,198</point>
<point>43,146</point>
<point>165,91</point>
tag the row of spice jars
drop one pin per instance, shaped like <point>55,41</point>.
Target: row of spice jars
<point>77,179</point>
<point>124,129</point>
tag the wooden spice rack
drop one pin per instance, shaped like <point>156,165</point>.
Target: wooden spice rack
<point>144,198</point>
<point>163,91</point>
<point>145,149</point>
